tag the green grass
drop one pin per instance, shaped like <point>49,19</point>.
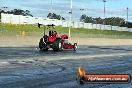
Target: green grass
<point>13,30</point>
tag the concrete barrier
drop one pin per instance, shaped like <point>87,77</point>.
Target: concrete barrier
<point>19,19</point>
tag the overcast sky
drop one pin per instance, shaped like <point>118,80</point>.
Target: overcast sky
<point>94,8</point>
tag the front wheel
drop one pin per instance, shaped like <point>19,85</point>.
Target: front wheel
<point>75,46</point>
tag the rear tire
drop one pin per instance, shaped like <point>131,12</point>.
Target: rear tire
<point>42,46</point>
<point>57,45</point>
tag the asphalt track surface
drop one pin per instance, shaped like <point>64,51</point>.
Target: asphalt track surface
<point>27,67</point>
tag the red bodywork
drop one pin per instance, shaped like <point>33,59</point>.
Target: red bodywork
<point>64,38</point>
<point>52,36</point>
<point>67,45</point>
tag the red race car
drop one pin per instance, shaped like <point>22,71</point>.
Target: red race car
<point>54,41</point>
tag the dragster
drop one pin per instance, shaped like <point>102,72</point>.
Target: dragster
<point>52,40</point>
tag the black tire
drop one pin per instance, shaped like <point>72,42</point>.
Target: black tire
<point>75,46</point>
<point>42,46</point>
<point>46,49</point>
<point>57,45</point>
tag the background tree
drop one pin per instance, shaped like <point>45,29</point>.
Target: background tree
<point>17,12</point>
<point>55,16</point>
<point>114,21</point>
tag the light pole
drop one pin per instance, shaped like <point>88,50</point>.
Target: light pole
<point>51,4</point>
<point>81,15</point>
<point>127,18</point>
<point>81,11</point>
<point>127,14</point>
<point>104,13</point>
<point>70,14</point>
<point>50,12</point>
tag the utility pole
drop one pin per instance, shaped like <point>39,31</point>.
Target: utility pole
<point>70,14</point>
<point>127,18</point>
<point>104,23</point>
<point>81,15</point>
<point>51,9</point>
<point>127,14</point>
<point>81,11</point>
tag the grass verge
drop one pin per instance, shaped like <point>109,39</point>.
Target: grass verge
<point>31,30</point>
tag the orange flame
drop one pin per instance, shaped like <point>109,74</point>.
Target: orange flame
<point>81,71</point>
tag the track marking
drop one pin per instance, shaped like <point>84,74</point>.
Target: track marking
<point>89,56</point>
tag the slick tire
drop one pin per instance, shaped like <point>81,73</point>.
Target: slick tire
<point>57,45</point>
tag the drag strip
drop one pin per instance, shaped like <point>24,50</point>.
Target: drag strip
<point>27,67</point>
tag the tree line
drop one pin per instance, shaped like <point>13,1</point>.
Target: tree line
<point>27,13</point>
<point>17,12</point>
<point>114,21</point>
<point>55,16</point>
